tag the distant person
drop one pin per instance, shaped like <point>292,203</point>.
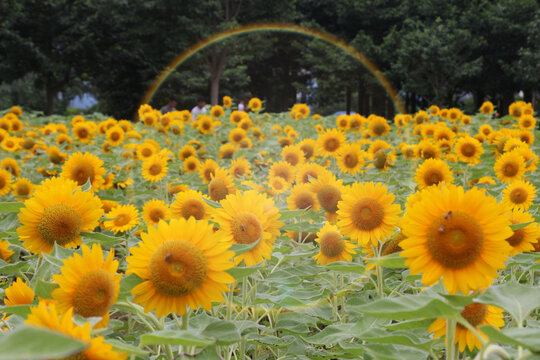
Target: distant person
<point>199,109</point>
<point>242,105</point>
<point>171,106</point>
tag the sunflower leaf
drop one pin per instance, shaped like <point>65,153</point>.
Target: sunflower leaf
<point>7,207</point>
<point>175,337</point>
<point>239,249</point>
<point>515,227</point>
<point>346,267</point>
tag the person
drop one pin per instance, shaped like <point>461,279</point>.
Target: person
<point>171,106</point>
<point>242,105</point>
<point>199,109</point>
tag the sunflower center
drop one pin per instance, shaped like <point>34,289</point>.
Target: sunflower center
<point>115,136</point>
<point>518,195</point>
<point>350,160</point>
<point>3,182</point>
<point>455,239</point>
<point>206,125</point>
<point>177,268</point>
<point>28,143</point>
<point>367,214</point>
<point>239,171</point>
<point>379,159</point>
<point>193,207</point>
<point>331,244</point>
<point>146,152</point>
<point>217,189</point>
<point>55,158</point>
<point>331,144</point>
<point>122,219</point>
<point>82,172</point>
<point>60,224</point>
<point>237,137</point>
<point>156,215</point>
<point>474,314</point>
<point>517,237</point>
<point>509,169</point>
<point>154,169</point>
<point>191,165</point>
<point>378,129</point>
<point>526,123</point>
<point>246,228</point>
<point>433,177</point>
<point>428,153</point>
<point>308,150</point>
<point>292,159</point>
<point>83,133</point>
<point>329,196</point>
<point>304,200</point>
<point>22,189</point>
<point>468,150</point>
<point>208,173</point>
<point>94,293</point>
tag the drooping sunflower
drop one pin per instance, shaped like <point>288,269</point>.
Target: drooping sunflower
<point>22,188</point>
<point>333,247</point>
<point>5,253</point>
<point>351,158</point>
<point>19,293</point>
<point>283,170</point>
<point>329,191</point>
<point>84,167</point>
<point>154,168</point>
<point>468,149</point>
<point>246,218</point>
<point>457,236</point>
<point>523,239</point>
<point>240,168</point>
<point>510,167</point>
<point>433,172</point>
<point>88,284</point>
<point>123,218</point>
<point>293,155</point>
<point>190,203</point>
<point>367,213</point>
<point>5,182</point>
<point>302,198</point>
<point>476,314</point>
<point>329,142</point>
<point>519,194</point>
<point>221,185</point>
<point>155,210</point>
<point>47,316</point>
<point>183,263</point>
<point>56,214</point>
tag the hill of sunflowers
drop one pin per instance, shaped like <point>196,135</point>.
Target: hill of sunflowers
<point>248,235</point>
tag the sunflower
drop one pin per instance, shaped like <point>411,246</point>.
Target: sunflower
<point>180,271</point>
<point>18,293</point>
<point>433,172</point>
<point>155,210</point>
<point>510,167</point>
<point>302,198</point>
<point>237,116</point>
<point>530,157</point>
<point>278,184</point>
<point>190,203</point>
<point>308,146</point>
<point>457,235</point>
<point>367,213</point>
<point>115,135</point>
<point>283,170</point>
<point>309,171</point>
<point>526,137</point>
<point>84,167</point>
<point>378,126</point>
<point>255,104</point>
<point>191,164</point>
<point>476,314</point>
<point>5,253</point>
<point>11,143</point>
<point>428,150</point>
<point>22,187</point>
<point>519,194</point>
<point>351,158</point>
<point>207,169</point>
<point>330,141</point>
<point>205,124</point>
<point>123,218</point>
<point>332,246</point>
<point>5,182</point>
<point>83,132</point>
<point>247,218</point>
<point>342,122</point>
<point>236,135</point>
<point>522,239</point>
<point>154,168</point>
<point>487,107</point>
<point>226,151</point>
<point>423,117</point>
<point>56,214</point>
<point>227,101</point>
<point>88,284</point>
<point>328,191</point>
<point>513,144</point>
<point>293,155</point>
<point>527,122</point>
<point>240,168</point>
<point>434,110</point>
<point>45,315</point>
<point>11,165</point>
<point>55,155</point>
<point>383,160</point>
<point>221,185</point>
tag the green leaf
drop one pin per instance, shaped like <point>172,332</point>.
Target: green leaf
<point>518,300</point>
<point>225,332</point>
<point>392,261</point>
<point>20,310</point>
<point>11,207</point>
<point>410,325</point>
<point>52,260</point>
<point>241,272</point>
<point>8,269</point>
<point>127,283</point>
<point>515,227</point>
<point>381,336</point>
<point>28,342</point>
<point>44,288</point>
<point>175,337</point>
<point>102,239</point>
<point>239,249</point>
<point>121,346</point>
<point>211,203</point>
<point>343,266</point>
<point>526,337</point>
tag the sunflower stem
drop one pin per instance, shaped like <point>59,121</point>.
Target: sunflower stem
<point>451,353</point>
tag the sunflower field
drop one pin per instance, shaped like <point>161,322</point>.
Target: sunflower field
<point>249,235</point>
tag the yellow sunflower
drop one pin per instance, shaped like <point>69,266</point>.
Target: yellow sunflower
<point>428,150</point>
<point>5,182</point>
<point>22,188</point>
<point>123,218</point>
<point>88,284</point>
<point>247,218</point>
<point>278,184</point>
<point>11,143</point>
<point>115,135</point>
<point>57,214</point>
<point>457,236</point>
<point>302,198</point>
<point>83,132</point>
<point>510,167</point>
<point>205,124</point>
<point>519,194</point>
<point>329,191</point>
<point>226,151</point>
<point>333,247</point>
<point>351,158</point>
<point>329,142</point>
<point>240,168</point>
<point>190,203</point>
<point>342,122</point>
<point>293,154</point>
<point>55,155</point>
<point>191,164</point>
<point>367,213</point>
<point>155,210</point>
<point>47,316</point>
<point>10,165</point>
<point>530,157</point>
<point>433,172</point>
<point>255,104</point>
<point>283,170</point>
<point>309,171</point>
<point>84,167</point>
<point>207,169</point>
<point>527,122</point>
<point>237,135</point>
<point>180,271</point>
<point>227,101</point>
<point>486,107</point>
<point>221,185</point>
<point>378,126</point>
<point>154,168</point>
<point>19,293</point>
<point>308,146</point>
<point>5,253</point>
<point>523,239</point>
<point>217,111</point>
